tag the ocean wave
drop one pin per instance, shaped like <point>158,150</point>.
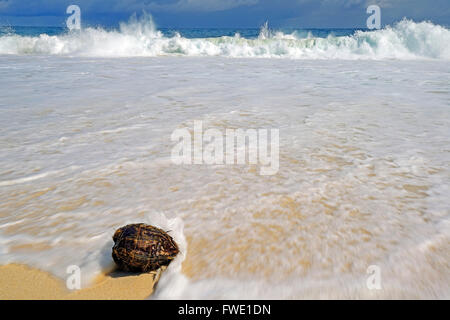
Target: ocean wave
<point>139,38</point>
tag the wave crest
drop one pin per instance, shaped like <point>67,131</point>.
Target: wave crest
<point>139,38</point>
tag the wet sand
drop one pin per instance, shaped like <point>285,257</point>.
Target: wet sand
<point>19,282</point>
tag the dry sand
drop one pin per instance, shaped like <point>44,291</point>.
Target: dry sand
<point>22,282</point>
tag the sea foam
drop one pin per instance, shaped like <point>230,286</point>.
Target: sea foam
<point>140,38</point>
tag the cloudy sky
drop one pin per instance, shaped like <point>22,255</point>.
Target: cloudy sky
<point>225,13</point>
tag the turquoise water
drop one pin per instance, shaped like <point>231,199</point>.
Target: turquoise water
<point>190,33</point>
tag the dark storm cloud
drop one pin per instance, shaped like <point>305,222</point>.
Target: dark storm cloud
<point>232,13</point>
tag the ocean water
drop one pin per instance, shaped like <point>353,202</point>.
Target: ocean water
<point>364,122</point>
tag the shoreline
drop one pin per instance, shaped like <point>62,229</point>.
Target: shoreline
<point>21,282</point>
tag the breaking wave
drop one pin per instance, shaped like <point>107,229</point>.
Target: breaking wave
<point>139,38</point>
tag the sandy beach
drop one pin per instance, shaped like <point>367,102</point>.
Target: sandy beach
<point>19,282</point>
<point>357,205</point>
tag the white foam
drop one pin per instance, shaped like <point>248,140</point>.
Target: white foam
<point>34,177</point>
<point>404,40</point>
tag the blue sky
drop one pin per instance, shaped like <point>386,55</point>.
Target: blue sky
<point>225,13</point>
